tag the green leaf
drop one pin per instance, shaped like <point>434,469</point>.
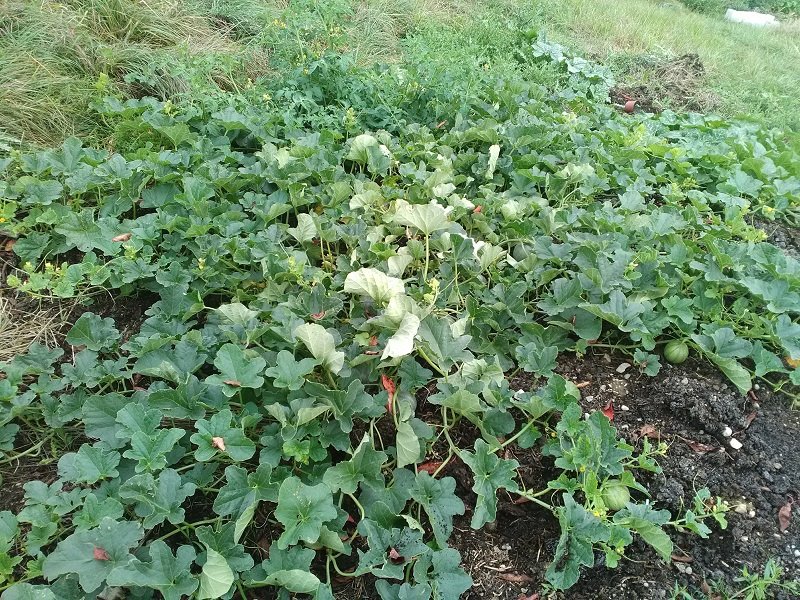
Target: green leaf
<point>441,570</point>
<point>580,530</point>
<point>406,543</point>
<point>150,451</point>
<point>168,574</point>
<point>647,522</point>
<point>216,578</point>
<point>373,284</point>
<point>77,553</point>
<point>536,359</point>
<point>408,447</point>
<point>302,510</point>
<point>306,230</point>
<point>322,345</point>
<point>364,465</point>
<point>297,581</point>
<point>157,500</point>
<point>402,342</point>
<point>243,489</point>
<point>680,308</point>
<point>738,375</point>
<point>406,591</point>
<point>93,331</point>
<point>426,218</point>
<point>446,349</point>
<point>26,591</point>
<point>90,464</point>
<point>438,500</point>
<point>288,373</point>
<point>238,369</point>
<point>216,436</point>
<point>490,474</point>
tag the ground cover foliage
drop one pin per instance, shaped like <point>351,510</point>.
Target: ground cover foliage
<point>320,250</point>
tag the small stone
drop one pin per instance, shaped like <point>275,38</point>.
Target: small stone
<point>589,398</point>
<point>681,567</point>
<point>797,553</point>
<point>727,432</point>
<point>740,508</point>
<point>626,376</point>
<point>751,514</point>
<point>623,367</point>
<point>777,466</point>
<point>735,444</point>
<point>624,407</point>
<point>685,381</point>
<point>744,538</point>
<point>688,570</point>
<point>757,387</point>
<point>506,547</point>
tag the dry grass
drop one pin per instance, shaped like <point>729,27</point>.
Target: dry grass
<point>23,323</point>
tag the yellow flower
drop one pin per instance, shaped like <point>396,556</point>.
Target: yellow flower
<point>2,219</point>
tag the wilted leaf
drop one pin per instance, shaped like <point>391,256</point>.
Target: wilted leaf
<point>785,516</point>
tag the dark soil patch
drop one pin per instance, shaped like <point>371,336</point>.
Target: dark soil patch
<point>783,236</point>
<point>684,404</point>
<point>656,83</point>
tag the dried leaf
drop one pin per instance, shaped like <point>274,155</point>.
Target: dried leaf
<point>794,363</point>
<point>395,556</point>
<point>218,443</point>
<point>608,410</point>
<point>785,516</point>
<point>389,386</point>
<point>122,237</point>
<point>233,382</point>
<point>520,500</point>
<point>101,554</point>
<point>681,558</point>
<point>477,209</point>
<point>318,316</point>
<point>9,245</point>
<point>534,596</point>
<point>698,447</point>
<point>373,340</point>
<point>430,467</point>
<point>516,577</point>
<point>647,431</point>
<point>748,420</point>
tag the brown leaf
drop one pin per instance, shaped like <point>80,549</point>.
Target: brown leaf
<point>608,410</point>
<point>647,431</point>
<point>698,447</point>
<point>122,237</point>
<point>583,384</point>
<point>389,386</point>
<point>534,596</point>
<point>218,442</point>
<point>520,500</point>
<point>748,420</point>
<point>101,554</point>
<point>515,577</point>
<point>373,340</point>
<point>681,558</point>
<point>9,245</point>
<point>233,382</point>
<point>477,210</point>
<point>318,316</point>
<point>395,556</point>
<point>785,516</point>
<point>430,467</point>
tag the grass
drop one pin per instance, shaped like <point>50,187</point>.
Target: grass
<point>749,71</point>
<point>57,59</point>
